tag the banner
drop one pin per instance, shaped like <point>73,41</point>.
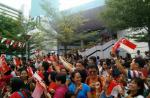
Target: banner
<point>13,43</point>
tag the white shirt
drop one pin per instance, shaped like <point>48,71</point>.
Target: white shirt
<point>139,96</point>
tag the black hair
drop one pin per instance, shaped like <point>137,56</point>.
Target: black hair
<point>92,66</point>
<point>140,84</point>
<point>108,62</point>
<point>53,75</point>
<point>61,77</point>
<point>138,51</point>
<point>115,72</point>
<point>12,67</point>
<point>127,64</point>
<point>81,62</point>
<point>46,74</point>
<point>140,62</point>
<point>97,57</point>
<point>45,65</point>
<point>73,74</point>
<point>22,69</point>
<point>128,56</point>
<point>69,94</point>
<point>16,84</point>
<point>93,58</point>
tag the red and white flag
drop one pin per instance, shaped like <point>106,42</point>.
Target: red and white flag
<point>116,46</point>
<point>30,71</point>
<point>38,91</point>
<point>127,45</point>
<point>37,77</point>
<point>3,64</point>
<point>17,61</point>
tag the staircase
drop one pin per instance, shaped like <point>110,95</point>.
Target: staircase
<point>103,51</point>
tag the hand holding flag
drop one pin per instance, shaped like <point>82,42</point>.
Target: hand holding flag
<point>125,44</point>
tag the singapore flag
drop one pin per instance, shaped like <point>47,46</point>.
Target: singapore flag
<point>127,45</point>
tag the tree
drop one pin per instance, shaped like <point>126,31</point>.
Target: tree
<point>11,29</point>
<point>124,14</point>
<point>40,39</point>
<point>63,25</point>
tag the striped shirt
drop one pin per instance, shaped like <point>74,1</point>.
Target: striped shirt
<point>134,74</point>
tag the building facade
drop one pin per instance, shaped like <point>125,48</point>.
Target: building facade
<point>10,12</point>
<point>23,6</point>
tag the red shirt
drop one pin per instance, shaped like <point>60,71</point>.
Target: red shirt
<point>53,86</point>
<point>145,72</point>
<point>17,95</point>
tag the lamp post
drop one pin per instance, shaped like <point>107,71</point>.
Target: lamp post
<point>26,40</point>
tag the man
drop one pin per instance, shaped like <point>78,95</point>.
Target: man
<point>135,67</point>
<point>138,54</point>
<point>94,81</point>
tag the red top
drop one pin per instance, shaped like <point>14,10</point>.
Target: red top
<point>112,84</point>
<point>145,72</point>
<point>17,95</point>
<point>6,78</point>
<point>53,86</point>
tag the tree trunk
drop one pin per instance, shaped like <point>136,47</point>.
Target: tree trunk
<point>149,45</point>
<point>81,44</point>
<point>65,49</point>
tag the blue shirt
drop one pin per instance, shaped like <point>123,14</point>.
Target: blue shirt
<point>82,93</point>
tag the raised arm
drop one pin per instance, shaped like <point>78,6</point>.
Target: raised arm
<point>120,67</point>
<point>118,64</point>
<point>67,65</point>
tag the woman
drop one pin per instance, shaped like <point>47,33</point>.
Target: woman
<point>52,86</point>
<point>136,88</point>
<point>103,70</point>
<point>18,90</point>
<point>80,89</point>
<point>114,85</point>
<point>27,83</point>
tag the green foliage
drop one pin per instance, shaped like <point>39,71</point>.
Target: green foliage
<point>124,14</point>
<point>10,28</point>
<point>63,25</point>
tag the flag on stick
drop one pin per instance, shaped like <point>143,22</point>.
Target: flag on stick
<point>124,44</point>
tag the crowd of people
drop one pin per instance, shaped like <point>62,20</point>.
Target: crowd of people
<point>72,76</point>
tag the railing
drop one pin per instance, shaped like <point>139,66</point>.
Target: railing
<point>99,50</point>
